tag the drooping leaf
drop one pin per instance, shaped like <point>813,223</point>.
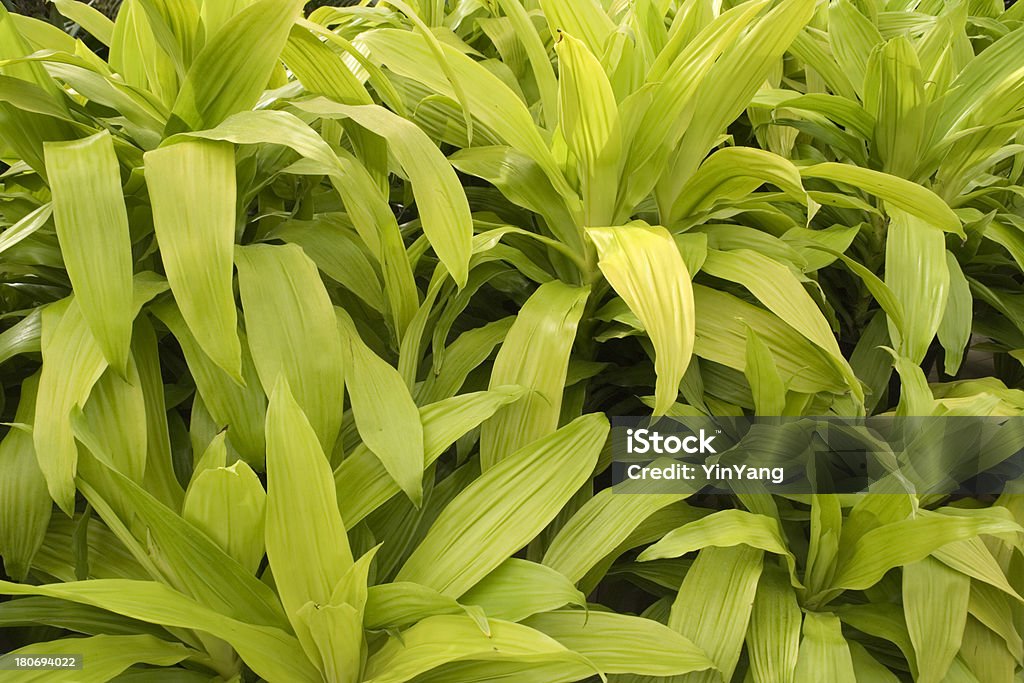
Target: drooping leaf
<point>92,225</point>
<point>384,412</point>
<point>645,268</point>
<point>192,188</point>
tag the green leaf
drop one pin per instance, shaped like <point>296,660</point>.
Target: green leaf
<point>401,603</point>
<point>493,104</point>
<point>440,199</point>
<point>306,543</point>
<point>894,92</point>
<point>229,505</point>
<point>722,529</point>
<point>306,540</point>
<point>733,173</point>
<point>442,639</point>
<point>773,639</point>
<point>722,324</point>
<point>25,503</point>
<point>585,19</point>
<point>89,18</point>
<point>336,249</point>
<point>242,409</point>
<point>232,70</point>
<point>588,119</point>
<point>366,206</point>
<point>362,482</point>
<point>866,667</point>
<point>72,616</point>
<point>852,38</point>
<point>824,654</point>
<point>522,181</point>
<point>269,652</point>
<point>957,320</point>
<point>907,541</point>
<point>645,268</point>
<point>116,417</point>
<point>502,510</point>
<point>191,561</point>
<point>103,657</point>
<point>599,527</point>
<point>92,225</point>
<point>336,633</point>
<point>935,602</point>
<point>902,194</point>
<point>384,412</point>
<point>72,364</point>
<point>535,356</point>
<point>619,643</point>
<point>762,375</point>
<point>917,274</point>
<point>516,588</point>
<point>713,606</point>
<point>293,332</point>
<point>192,189</point>
<point>777,287</point>
<point>159,479</point>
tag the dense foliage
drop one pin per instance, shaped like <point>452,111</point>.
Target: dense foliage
<point>313,326</point>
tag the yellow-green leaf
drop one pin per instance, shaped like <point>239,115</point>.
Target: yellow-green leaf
<point>92,225</point>
<point>644,266</point>
<point>192,189</point>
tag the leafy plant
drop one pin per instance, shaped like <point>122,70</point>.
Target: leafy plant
<point>315,324</point>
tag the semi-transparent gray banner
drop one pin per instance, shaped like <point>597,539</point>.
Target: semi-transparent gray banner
<point>924,455</point>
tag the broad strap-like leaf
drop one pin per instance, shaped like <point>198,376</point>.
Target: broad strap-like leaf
<point>443,639</point>
<point>25,503</point>
<point>620,643</point>
<point>232,70</point>
<point>644,266</point>
<point>307,544</point>
<point>229,505</point>
<point>241,408</point>
<point>270,652</point>
<point>535,356</point>
<point>306,540</point>
<point>440,199</point>
<point>773,638</point>
<point>502,510</point>
<point>935,601</point>
<point>92,225</point>
<point>902,194</point>
<point>292,331</point>
<point>824,653</point>
<point>192,189</point>
<point>725,528</point>
<point>384,412</point>
<point>518,588</point>
<point>588,118</point>
<point>364,484</point>
<point>72,364</point>
<point>599,527</point>
<point>713,606</point>
<point>193,563</point>
<point>917,274</point>
<point>107,656</point>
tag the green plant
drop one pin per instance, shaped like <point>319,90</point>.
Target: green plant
<point>316,322</point>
